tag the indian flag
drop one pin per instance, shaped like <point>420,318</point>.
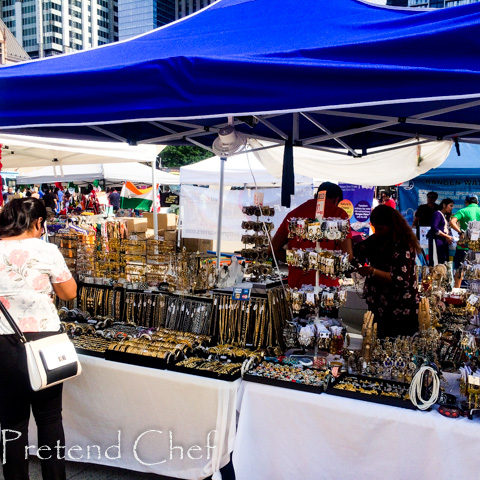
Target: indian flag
<point>133,197</point>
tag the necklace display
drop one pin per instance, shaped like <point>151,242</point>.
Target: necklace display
<point>257,323</point>
<point>256,245</point>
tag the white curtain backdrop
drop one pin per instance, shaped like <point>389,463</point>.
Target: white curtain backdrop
<point>199,209</point>
<point>386,168</point>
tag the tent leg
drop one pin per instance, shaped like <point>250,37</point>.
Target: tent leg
<point>220,212</point>
<point>155,199</point>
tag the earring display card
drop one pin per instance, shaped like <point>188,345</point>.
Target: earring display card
<point>377,390</point>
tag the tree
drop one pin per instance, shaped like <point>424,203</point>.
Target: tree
<point>177,156</point>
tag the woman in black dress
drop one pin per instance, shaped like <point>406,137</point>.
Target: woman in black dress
<point>390,285</point>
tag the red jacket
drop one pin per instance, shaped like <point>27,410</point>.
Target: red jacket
<point>296,276</point>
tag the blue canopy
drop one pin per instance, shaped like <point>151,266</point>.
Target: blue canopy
<point>323,73</point>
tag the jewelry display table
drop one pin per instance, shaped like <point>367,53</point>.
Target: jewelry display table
<point>170,423</point>
<point>287,435</point>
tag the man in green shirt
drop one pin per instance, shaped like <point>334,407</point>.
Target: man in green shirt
<point>459,223</point>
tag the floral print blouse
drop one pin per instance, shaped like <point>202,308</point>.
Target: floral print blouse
<point>28,267</point>
<point>394,303</point>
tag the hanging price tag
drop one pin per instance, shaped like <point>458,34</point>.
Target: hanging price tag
<point>320,211</point>
<point>258,199</point>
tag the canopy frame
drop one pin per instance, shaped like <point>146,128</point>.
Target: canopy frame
<point>194,132</point>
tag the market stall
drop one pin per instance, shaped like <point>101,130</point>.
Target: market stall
<point>361,83</point>
<point>25,151</point>
<point>249,177</point>
<point>111,173</point>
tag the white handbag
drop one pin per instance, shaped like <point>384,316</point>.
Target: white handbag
<point>50,360</point>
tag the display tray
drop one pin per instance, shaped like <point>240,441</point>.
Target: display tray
<point>283,384</point>
<point>204,373</point>
<point>382,399</point>
<point>134,359</point>
<point>90,353</point>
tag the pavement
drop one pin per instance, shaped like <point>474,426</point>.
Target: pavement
<point>352,312</point>
<point>86,471</point>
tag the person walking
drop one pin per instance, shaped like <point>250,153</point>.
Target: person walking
<point>459,223</point>
<point>439,236</point>
<point>424,213</point>
<point>31,270</point>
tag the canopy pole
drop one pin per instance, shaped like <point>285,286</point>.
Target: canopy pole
<point>155,199</point>
<point>220,212</point>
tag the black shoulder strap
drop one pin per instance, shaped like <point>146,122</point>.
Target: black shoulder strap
<point>12,323</point>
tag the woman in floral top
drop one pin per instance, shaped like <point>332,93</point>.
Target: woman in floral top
<point>391,285</point>
<point>30,271</point>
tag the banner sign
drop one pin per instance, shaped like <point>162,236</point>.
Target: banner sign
<point>414,193</point>
<point>199,209</point>
<point>357,202</point>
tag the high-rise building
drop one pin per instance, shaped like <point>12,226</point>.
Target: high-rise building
<point>429,3</point>
<point>140,16</point>
<point>50,27</point>
<point>186,7</point>
<point>10,50</point>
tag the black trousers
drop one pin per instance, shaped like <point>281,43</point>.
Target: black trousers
<point>16,399</point>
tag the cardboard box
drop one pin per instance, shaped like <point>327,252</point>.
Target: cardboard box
<point>196,244</point>
<point>170,236</point>
<point>136,225</point>
<point>166,221</point>
<point>143,235</point>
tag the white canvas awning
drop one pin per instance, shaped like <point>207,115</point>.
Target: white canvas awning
<point>242,169</point>
<point>405,161</point>
<point>110,172</point>
<point>24,151</point>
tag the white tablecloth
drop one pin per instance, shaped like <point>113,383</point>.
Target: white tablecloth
<point>110,397</point>
<point>288,434</point>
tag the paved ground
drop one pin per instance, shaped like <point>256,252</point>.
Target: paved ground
<point>352,312</point>
<point>83,471</point>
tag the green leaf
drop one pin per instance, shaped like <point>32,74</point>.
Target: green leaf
<point>178,156</point>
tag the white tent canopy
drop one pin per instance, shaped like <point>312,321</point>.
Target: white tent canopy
<point>387,167</point>
<point>25,151</point>
<point>110,172</point>
<point>242,169</point>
